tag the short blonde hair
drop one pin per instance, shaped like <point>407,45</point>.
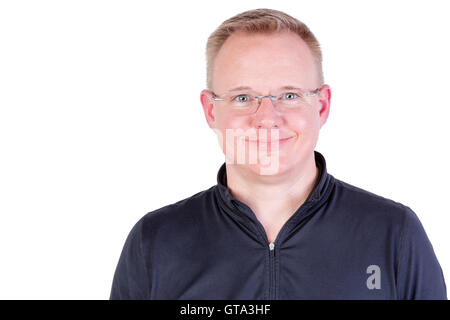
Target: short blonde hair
<point>260,21</point>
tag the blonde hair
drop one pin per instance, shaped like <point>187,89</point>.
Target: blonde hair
<point>260,21</point>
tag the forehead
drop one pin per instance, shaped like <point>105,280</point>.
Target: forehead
<point>264,62</point>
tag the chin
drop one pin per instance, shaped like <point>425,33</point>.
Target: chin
<point>265,163</point>
<point>270,168</point>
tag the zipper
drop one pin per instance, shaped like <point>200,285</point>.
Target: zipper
<point>272,271</point>
<point>272,276</point>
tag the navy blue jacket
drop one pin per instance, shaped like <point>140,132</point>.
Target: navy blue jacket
<point>342,243</point>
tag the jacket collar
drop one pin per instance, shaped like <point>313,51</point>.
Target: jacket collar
<point>318,194</point>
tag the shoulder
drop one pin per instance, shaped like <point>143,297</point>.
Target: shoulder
<point>179,214</point>
<point>365,204</point>
<point>369,216</point>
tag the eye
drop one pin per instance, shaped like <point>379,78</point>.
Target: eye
<point>241,98</point>
<point>290,96</point>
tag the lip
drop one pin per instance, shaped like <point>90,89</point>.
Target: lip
<point>270,141</point>
<point>272,145</point>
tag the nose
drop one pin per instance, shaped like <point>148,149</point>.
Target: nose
<point>266,116</point>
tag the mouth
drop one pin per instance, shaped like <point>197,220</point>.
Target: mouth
<point>269,141</point>
<point>271,145</point>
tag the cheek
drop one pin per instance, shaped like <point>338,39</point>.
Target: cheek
<point>305,125</point>
<point>224,122</point>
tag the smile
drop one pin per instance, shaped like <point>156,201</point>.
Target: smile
<point>269,141</point>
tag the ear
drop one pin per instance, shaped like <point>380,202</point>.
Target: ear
<point>208,107</point>
<point>324,103</point>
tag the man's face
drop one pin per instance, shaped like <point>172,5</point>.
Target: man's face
<point>266,63</point>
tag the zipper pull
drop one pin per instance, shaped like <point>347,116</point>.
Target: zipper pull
<point>271,246</point>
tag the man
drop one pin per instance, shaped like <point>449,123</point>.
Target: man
<point>276,225</point>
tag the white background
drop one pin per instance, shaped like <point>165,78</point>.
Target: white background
<point>101,122</point>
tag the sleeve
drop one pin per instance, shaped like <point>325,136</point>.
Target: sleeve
<point>420,276</point>
<point>131,280</point>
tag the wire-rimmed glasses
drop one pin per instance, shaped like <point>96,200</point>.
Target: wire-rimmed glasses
<point>248,103</point>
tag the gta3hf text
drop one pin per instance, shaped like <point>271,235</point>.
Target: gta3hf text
<point>229,309</point>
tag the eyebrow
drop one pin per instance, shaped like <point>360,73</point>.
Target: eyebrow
<point>249,88</point>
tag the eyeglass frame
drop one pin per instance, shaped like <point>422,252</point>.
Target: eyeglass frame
<point>308,93</point>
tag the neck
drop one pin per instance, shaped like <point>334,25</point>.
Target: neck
<point>273,199</point>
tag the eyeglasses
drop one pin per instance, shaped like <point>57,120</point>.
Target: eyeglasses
<point>248,103</point>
